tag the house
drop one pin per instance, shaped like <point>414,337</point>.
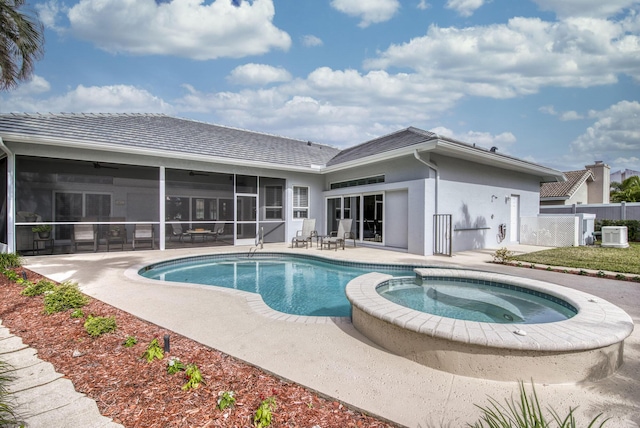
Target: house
<point>193,183</point>
<point>620,176</point>
<point>587,186</point>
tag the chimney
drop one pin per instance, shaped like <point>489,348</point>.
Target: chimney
<point>598,190</point>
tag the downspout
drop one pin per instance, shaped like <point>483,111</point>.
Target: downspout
<point>434,167</point>
<point>11,194</point>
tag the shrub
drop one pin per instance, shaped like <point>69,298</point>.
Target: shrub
<point>97,326</point>
<point>226,399</point>
<point>129,342</point>
<point>11,275</point>
<point>63,297</point>
<point>620,276</point>
<point>503,255</point>
<point>77,314</point>
<point>174,365</point>
<point>633,227</point>
<point>153,351</point>
<point>263,415</point>
<point>10,260</point>
<point>194,377</point>
<point>38,288</point>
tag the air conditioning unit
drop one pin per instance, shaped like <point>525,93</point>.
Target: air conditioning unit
<point>615,236</point>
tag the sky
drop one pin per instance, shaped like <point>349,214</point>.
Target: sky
<point>556,82</point>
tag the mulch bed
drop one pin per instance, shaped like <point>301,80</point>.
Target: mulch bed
<point>136,393</point>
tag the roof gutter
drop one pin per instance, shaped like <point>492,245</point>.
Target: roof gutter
<point>120,149</point>
<point>10,245</point>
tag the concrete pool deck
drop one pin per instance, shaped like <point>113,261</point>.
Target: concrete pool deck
<point>330,356</point>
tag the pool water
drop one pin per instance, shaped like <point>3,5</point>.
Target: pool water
<point>295,286</point>
<point>476,302</point>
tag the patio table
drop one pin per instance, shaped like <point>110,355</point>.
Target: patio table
<point>198,232</point>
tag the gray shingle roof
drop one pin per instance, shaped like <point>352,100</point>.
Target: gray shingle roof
<point>566,188</point>
<point>165,133</point>
<point>397,140</point>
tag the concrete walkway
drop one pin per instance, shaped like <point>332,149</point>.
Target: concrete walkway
<point>43,397</point>
<point>329,355</point>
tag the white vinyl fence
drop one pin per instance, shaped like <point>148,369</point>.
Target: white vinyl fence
<point>550,231</point>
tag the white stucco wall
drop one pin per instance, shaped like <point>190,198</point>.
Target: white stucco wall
<point>580,196</point>
<point>478,197</point>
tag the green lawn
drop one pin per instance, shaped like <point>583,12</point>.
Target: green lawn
<point>624,260</point>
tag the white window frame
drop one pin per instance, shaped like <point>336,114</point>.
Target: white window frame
<point>300,210</point>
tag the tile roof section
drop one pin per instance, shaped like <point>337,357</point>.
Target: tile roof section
<point>567,188</point>
<point>165,133</point>
<point>397,140</point>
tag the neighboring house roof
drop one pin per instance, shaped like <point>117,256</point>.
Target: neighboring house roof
<point>161,133</point>
<point>565,190</point>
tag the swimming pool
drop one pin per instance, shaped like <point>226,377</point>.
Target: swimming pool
<point>293,284</point>
<point>477,300</point>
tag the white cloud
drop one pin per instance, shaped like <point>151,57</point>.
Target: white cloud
<point>423,5</point>
<point>614,134</point>
<point>570,115</point>
<point>548,110</point>
<point>593,8</point>
<point>258,74</point>
<point>186,28</point>
<point>96,99</point>
<point>485,140</point>
<point>48,13</point>
<point>311,41</point>
<point>520,57</point>
<point>563,116</point>
<point>36,85</point>
<point>334,106</point>
<point>464,7</point>
<point>370,11</point>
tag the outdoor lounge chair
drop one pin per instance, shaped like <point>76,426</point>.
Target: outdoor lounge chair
<point>218,230</point>
<point>143,233</point>
<point>176,231</point>
<point>307,233</point>
<point>340,236</point>
<point>84,234</point>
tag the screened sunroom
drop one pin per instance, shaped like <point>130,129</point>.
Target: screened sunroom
<point>66,206</point>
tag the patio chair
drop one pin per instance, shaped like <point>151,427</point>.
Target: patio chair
<point>218,230</point>
<point>143,233</point>
<point>84,234</point>
<point>305,235</point>
<point>177,231</point>
<point>340,236</point>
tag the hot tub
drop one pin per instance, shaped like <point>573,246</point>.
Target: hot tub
<point>586,346</point>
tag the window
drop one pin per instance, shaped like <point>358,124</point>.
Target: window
<point>273,202</point>
<point>300,202</point>
<point>358,182</point>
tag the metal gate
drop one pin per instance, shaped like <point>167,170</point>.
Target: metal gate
<point>442,234</point>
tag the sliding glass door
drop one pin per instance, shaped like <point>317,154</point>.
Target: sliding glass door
<point>366,211</point>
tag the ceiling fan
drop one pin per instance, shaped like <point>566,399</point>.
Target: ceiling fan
<point>98,165</point>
